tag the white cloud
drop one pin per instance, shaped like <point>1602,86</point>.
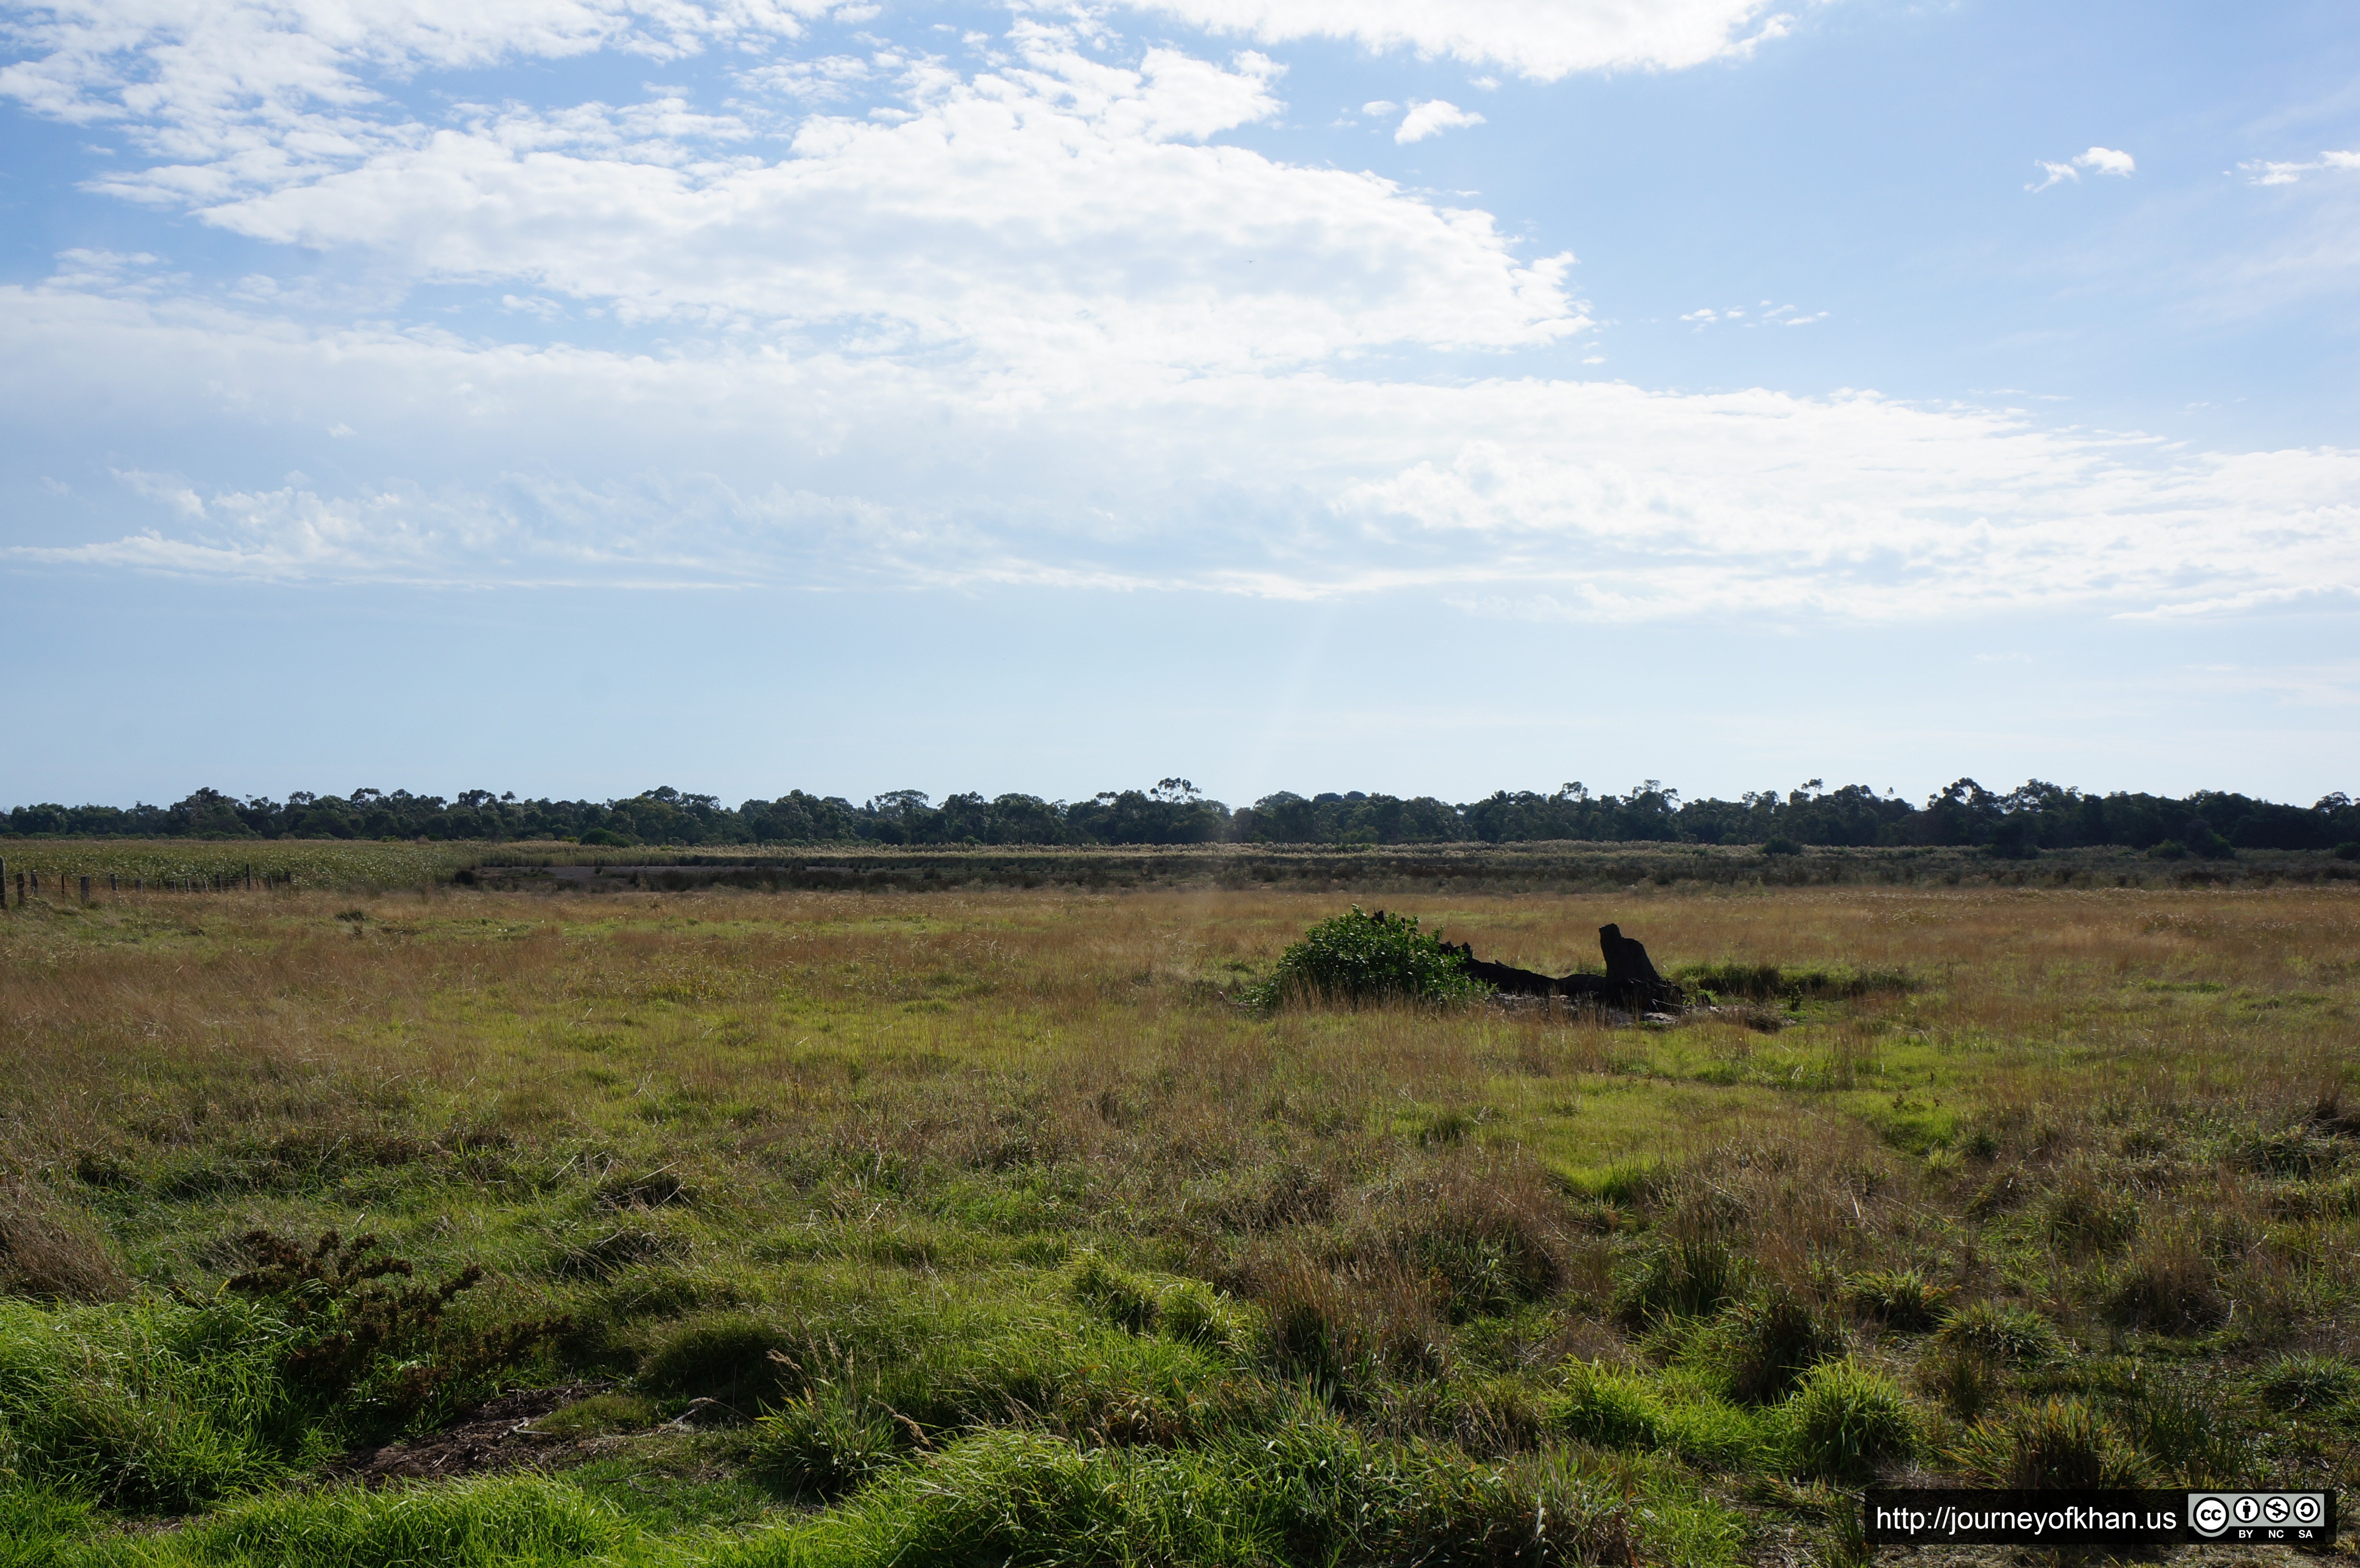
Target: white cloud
<point>2263,173</point>
<point>1034,323</point>
<point>1055,211</point>
<point>2098,161</point>
<point>1541,39</point>
<point>1432,117</point>
<point>1379,109</point>
<point>486,465</point>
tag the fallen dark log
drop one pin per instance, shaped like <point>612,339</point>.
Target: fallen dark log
<point>1630,980</point>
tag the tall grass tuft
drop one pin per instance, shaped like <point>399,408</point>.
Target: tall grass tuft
<point>1851,1421</point>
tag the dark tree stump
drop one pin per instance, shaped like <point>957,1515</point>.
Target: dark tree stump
<point>1629,974</point>
<point>1630,980</point>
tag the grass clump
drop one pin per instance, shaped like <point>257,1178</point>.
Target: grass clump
<point>1358,957</point>
<point>493,1521</point>
<point>1682,1274</point>
<point>2062,1441</point>
<point>2304,1381</point>
<point>1759,1348</point>
<point>2000,1332</point>
<point>827,1441</point>
<point>1900,1299</point>
<point>733,1357</point>
<point>2167,1284</point>
<point>1851,1421</point>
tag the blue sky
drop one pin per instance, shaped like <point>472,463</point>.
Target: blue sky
<point>571,396</point>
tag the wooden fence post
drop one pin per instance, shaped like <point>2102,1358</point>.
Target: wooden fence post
<point>85,889</point>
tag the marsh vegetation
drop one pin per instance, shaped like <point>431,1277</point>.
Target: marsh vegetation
<point>992,1226</point>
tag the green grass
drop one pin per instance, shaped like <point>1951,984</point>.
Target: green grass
<point>986,1227</point>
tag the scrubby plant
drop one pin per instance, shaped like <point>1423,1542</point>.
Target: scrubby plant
<point>2062,1441</point>
<point>1900,1299</point>
<point>1850,1421</point>
<point>1361,957</point>
<point>362,1339</point>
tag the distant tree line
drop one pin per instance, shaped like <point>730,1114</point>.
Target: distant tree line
<point>2033,817</point>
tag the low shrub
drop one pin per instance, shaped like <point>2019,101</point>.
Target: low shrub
<point>1900,1299</point>
<point>2057,1443</point>
<point>1359,957</point>
<point>361,1340</point>
<point>1851,1421</point>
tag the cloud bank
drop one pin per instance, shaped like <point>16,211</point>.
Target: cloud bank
<point>874,315</point>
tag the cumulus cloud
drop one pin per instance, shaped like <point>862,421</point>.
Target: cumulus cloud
<point>1544,39</point>
<point>1432,117</point>
<point>2264,173</point>
<point>2097,161</point>
<point>1054,209</point>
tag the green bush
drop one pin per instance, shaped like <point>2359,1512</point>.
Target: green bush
<point>1361,957</point>
<point>1851,1421</point>
<point>2348,850</point>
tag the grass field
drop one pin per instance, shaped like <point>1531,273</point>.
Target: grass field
<point>984,1227</point>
